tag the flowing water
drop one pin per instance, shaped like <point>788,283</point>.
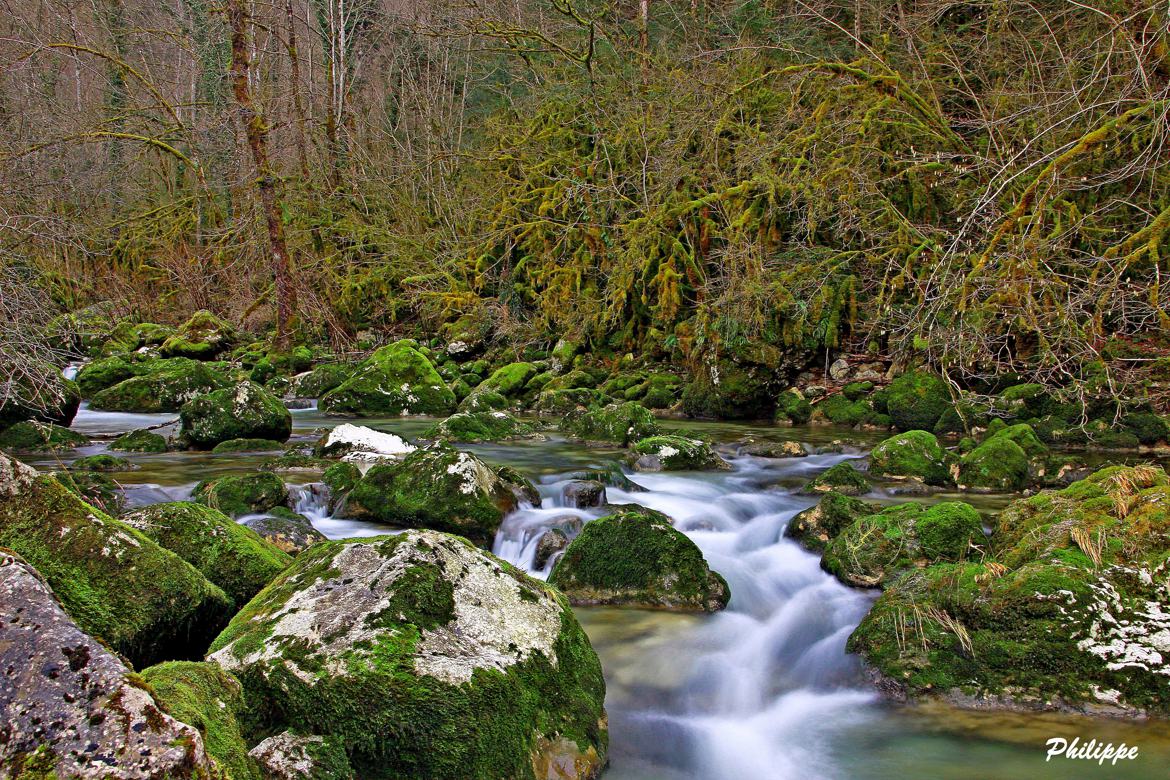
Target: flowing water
<point>762,690</point>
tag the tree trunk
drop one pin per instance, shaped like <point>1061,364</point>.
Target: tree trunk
<point>257,134</point>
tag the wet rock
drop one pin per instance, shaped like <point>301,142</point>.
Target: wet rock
<point>816,526</point>
<point>139,441</point>
<point>912,454</point>
<point>49,398</point>
<point>164,386</point>
<point>242,495</point>
<point>359,444</point>
<point>675,453</point>
<point>916,400</point>
<point>246,411</point>
<point>397,379</point>
<point>773,449</point>
<point>247,446</point>
<point>101,462</point>
<point>611,475</point>
<point>551,542</point>
<point>71,708</point>
<point>479,427</point>
<point>583,494</point>
<point>841,478</point>
<point>445,644</point>
<point>319,381</point>
<point>793,408</point>
<point>620,424</point>
<point>286,530</point>
<point>291,756</point>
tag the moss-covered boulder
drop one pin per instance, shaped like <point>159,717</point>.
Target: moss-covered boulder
<point>292,756</point>
<point>67,699</point>
<point>727,390</point>
<point>319,381</point>
<point>203,337</point>
<point>915,454</point>
<point>232,556</point>
<point>287,530</point>
<point>103,462</point>
<point>396,379</point>
<point>425,658</point>
<point>561,402</point>
<point>483,401</point>
<point>247,445</point>
<point>242,495</point>
<point>478,426</point>
<point>246,411</point>
<point>1066,612</point>
<point>620,424</point>
<point>510,380</point>
<point>203,695</point>
<point>119,585</point>
<point>33,436</point>
<point>443,489</point>
<point>164,387</point>
<point>793,408</point>
<point>675,453</point>
<point>841,478</point>
<point>916,400</point>
<point>996,464</point>
<point>139,441</point>
<point>48,397</point>
<point>636,558</point>
<point>816,526</point>
<point>97,375</point>
<point>876,548</point>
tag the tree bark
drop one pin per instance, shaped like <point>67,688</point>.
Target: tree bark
<point>257,134</point>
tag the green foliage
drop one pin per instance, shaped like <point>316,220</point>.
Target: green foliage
<point>793,407</point>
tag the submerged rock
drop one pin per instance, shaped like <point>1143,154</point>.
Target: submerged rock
<point>232,556</point>
<point>70,707</point>
<point>247,445</point>
<point>243,495</point>
<point>443,489</point>
<point>635,557</point>
<point>424,657</point>
<point>119,585</point>
<point>675,453</point>
<point>246,411</point>
<point>396,379</point>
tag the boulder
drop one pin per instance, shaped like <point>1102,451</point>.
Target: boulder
<point>359,444</point>
<point>509,380</point>
<point>202,337</point>
<point>816,526</point>
<point>228,554</point>
<point>242,495</point>
<point>583,493</point>
<point>675,453</point>
<point>139,441</point>
<point>443,489</point>
<point>286,530</point>
<point>916,400</point>
<point>246,411</point>
<point>292,756</point>
<point>561,402</point>
<point>48,398</point>
<point>478,427</point>
<point>99,374</point>
<point>33,436</point>
<point>319,381</point>
<point>999,463</point>
<point>841,478</point>
<point>70,707</point>
<point>793,408</point>
<point>482,401</point>
<point>423,657</point>
<point>397,379</point>
<point>120,586</point>
<point>914,454</point>
<point>164,387</point>
<point>551,542</point>
<point>727,390</point>
<point>620,424</point>
<point>103,462</point>
<point>773,449</point>
<point>636,558</point>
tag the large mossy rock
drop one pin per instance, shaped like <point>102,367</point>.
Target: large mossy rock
<point>232,556</point>
<point>243,494</point>
<point>319,381</point>
<point>996,464</point>
<point>916,400</point>
<point>203,337</point>
<point>443,489</point>
<point>727,390</point>
<point>139,441</point>
<point>120,586</point>
<point>33,436</point>
<point>915,454</point>
<point>48,398</point>
<point>164,386</point>
<point>478,427</point>
<point>636,558</point>
<point>72,709</point>
<point>287,530</point>
<point>816,526</point>
<point>1066,612</point>
<point>99,374</point>
<point>509,380</point>
<point>875,548</point>
<point>203,695</point>
<point>396,379</point>
<point>841,478</point>
<point>621,424</point>
<point>675,453</point>
<point>246,411</point>
<point>425,657</point>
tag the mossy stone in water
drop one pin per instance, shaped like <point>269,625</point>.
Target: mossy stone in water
<point>637,558</point>
<point>139,441</point>
<point>164,386</point>
<point>816,526</point>
<point>916,400</point>
<point>509,380</point>
<point>242,495</point>
<point>675,453</point>
<point>97,375</point>
<point>96,488</point>
<point>425,657</point>
<point>620,424</point>
<point>842,478</point>
<point>33,436</point>
<point>319,381</point>
<point>792,407</point>
<point>482,401</point>
<point>730,391</point>
<point>247,445</point>
<point>477,427</point>
<point>202,337</point>
<point>246,411</point>
<point>996,464</point>
<point>103,462</point>
<point>564,401</point>
<point>232,556</point>
<point>203,695</point>
<point>116,583</point>
<point>48,398</point>
<point>440,488</point>
<point>912,454</point>
<point>396,379</point>
<point>286,530</point>
<point>1024,437</point>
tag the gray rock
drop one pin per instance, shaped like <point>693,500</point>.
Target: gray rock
<point>69,704</point>
<point>552,542</point>
<point>286,529</point>
<point>584,494</point>
<point>839,370</point>
<point>289,756</point>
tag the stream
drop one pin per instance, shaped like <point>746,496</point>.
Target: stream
<point>762,690</point>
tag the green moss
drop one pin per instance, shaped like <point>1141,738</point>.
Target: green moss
<point>916,400</point>
<point>1146,428</point>
<point>792,407</point>
<point>117,584</point>
<point>816,526</point>
<point>483,401</point>
<point>202,337</point>
<point>164,386</point>
<point>617,423</point>
<point>396,379</point>
<point>95,488</point>
<point>247,445</point>
<point>341,477</point>
<point>321,380</point>
<point>478,427</point>
<point>996,464</point>
<point>912,454</point>
<point>228,554</point>
<point>1024,437</point>
<point>839,410</point>
<point>97,375</point>
<point>855,391</point>
<point>841,478</point>
<point>45,396</point>
<point>32,436</point>
<point>946,531</point>
<point>636,558</point>
<point>203,695</point>
<point>564,401</point>
<point>731,391</point>
<point>509,380</point>
<point>874,548</point>
<point>101,462</point>
<point>139,441</point>
<point>678,453</point>
<point>246,411</point>
<point>242,495</point>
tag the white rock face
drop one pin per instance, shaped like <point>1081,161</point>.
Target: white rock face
<point>367,446</point>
